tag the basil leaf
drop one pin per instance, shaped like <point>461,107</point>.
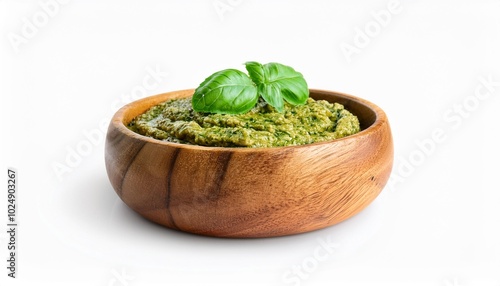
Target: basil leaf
<point>272,95</point>
<point>228,91</point>
<point>276,82</point>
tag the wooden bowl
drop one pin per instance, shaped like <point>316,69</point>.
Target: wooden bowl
<point>249,192</point>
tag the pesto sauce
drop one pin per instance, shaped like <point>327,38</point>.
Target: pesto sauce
<point>262,126</point>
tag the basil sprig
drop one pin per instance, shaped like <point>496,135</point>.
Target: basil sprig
<point>231,91</point>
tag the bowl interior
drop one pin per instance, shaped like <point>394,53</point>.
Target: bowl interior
<point>364,110</point>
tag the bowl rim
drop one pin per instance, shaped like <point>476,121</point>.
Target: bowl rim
<point>117,121</point>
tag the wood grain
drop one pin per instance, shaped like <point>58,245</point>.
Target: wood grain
<point>245,192</point>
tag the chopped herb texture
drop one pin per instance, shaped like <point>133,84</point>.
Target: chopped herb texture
<point>262,126</point>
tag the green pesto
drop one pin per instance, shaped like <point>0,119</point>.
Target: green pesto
<point>262,126</point>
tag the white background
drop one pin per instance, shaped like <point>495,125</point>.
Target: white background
<point>65,68</point>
